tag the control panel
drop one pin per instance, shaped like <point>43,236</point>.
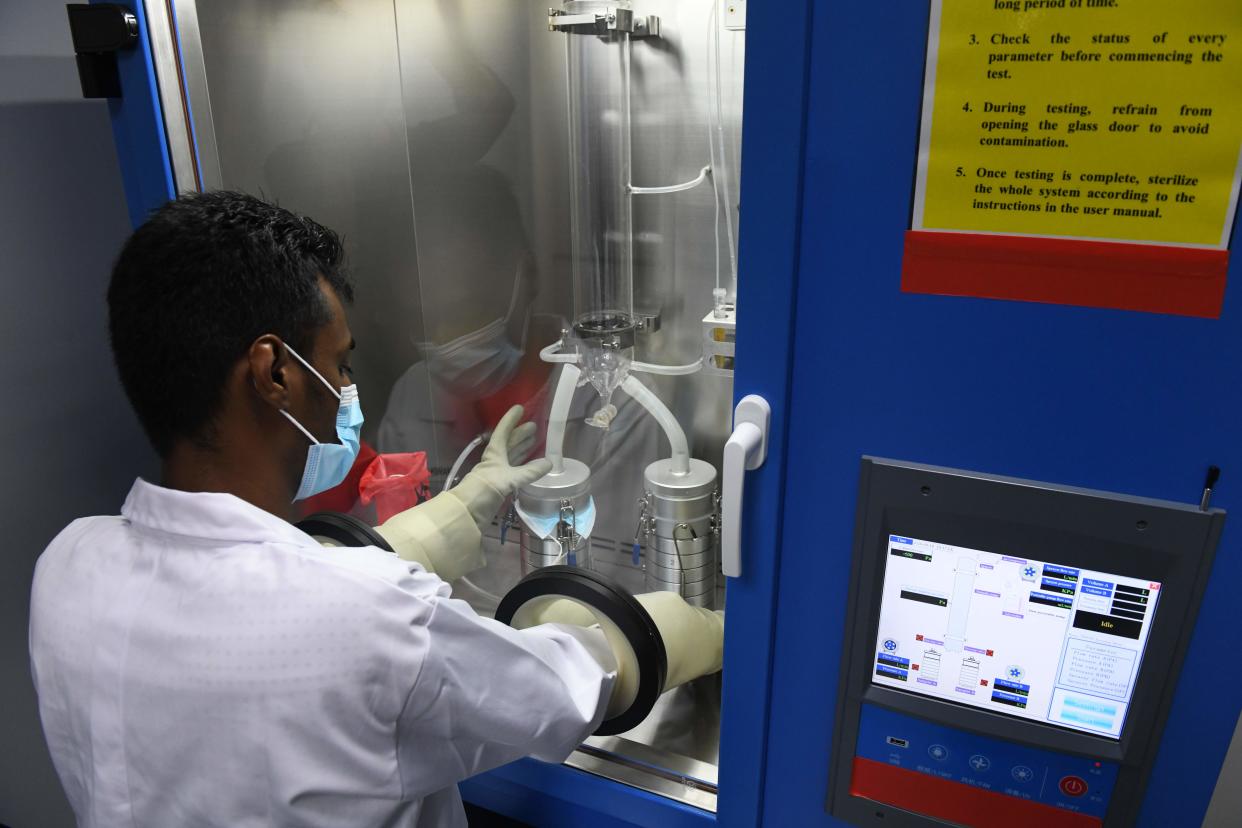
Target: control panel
<point>964,778</point>
<point>1011,648</point>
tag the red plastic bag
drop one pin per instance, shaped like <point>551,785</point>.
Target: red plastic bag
<point>395,482</point>
<point>342,497</point>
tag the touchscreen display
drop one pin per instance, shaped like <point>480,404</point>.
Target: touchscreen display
<point>1027,638</point>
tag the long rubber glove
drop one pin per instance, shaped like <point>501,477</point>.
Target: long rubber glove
<point>445,533</point>
<point>617,657</point>
<point>494,478</point>
<point>693,636</point>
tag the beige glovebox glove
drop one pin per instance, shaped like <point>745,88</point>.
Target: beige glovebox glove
<point>566,613</point>
<point>693,637</point>
<point>445,533</point>
<point>439,534</point>
<point>494,478</point>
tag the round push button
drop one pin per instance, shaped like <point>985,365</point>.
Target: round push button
<point>1073,785</point>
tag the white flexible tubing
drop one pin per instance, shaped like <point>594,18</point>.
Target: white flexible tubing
<point>732,233</point>
<point>461,460</point>
<point>723,160</point>
<point>666,370</point>
<point>645,397</point>
<point>716,224</point>
<point>673,188</point>
<point>561,401</point>
<point>715,130</point>
<point>448,484</point>
<point>552,354</point>
<point>711,139</point>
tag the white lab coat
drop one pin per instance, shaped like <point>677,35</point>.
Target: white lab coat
<point>200,662</point>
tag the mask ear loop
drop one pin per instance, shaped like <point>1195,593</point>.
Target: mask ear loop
<point>299,426</point>
<point>318,376</point>
<point>308,367</point>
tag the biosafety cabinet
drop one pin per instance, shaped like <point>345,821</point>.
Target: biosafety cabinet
<point>962,544</point>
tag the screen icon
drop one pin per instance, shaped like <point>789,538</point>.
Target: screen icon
<point>980,763</point>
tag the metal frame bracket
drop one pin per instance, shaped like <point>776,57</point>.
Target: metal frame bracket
<point>99,32</point>
<point>602,23</point>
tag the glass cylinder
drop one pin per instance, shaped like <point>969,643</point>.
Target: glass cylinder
<point>601,220</point>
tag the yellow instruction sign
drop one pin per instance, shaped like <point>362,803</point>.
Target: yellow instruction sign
<point>1115,120</point>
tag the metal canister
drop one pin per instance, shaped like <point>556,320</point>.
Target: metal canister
<point>680,527</point>
<point>562,496</point>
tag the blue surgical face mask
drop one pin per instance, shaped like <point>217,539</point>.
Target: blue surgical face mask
<point>544,526</point>
<point>481,362</point>
<point>476,365</point>
<point>327,464</point>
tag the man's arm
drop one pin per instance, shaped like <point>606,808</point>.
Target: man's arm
<point>444,534</point>
<point>487,694</point>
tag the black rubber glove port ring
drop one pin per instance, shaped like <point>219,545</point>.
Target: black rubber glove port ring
<point>346,530</point>
<point>601,594</point>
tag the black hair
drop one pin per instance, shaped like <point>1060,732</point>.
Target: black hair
<point>195,285</point>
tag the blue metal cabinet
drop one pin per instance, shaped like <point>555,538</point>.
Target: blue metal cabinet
<point>1129,402</point>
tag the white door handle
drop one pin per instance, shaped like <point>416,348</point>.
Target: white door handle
<point>746,449</point>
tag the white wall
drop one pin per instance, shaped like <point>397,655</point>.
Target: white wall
<point>71,446</point>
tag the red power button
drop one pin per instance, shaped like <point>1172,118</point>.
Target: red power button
<point>1073,785</point>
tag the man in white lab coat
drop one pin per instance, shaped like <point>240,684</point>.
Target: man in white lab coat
<point>199,660</point>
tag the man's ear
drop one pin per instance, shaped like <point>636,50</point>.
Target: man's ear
<point>269,364</point>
